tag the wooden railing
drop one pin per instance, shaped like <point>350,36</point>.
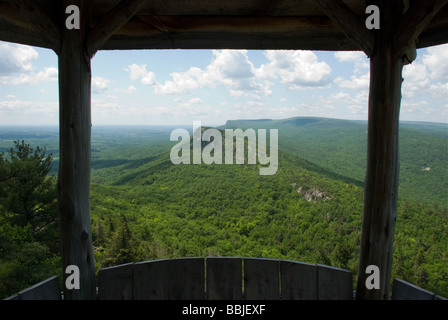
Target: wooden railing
<point>222,278</point>
<point>403,290</point>
<point>46,290</point>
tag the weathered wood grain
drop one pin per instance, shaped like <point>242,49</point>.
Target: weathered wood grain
<point>116,283</point>
<point>46,290</point>
<point>111,22</point>
<point>151,280</point>
<point>183,278</point>
<point>298,280</point>
<point>334,283</point>
<point>411,25</point>
<point>187,279</point>
<point>381,180</point>
<point>403,290</point>
<point>349,23</point>
<point>74,166</point>
<point>261,279</point>
<point>176,279</point>
<point>224,278</point>
<point>43,23</point>
<point>281,8</point>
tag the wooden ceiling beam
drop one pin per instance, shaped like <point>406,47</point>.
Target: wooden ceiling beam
<point>204,31</point>
<point>15,28</point>
<point>111,22</point>
<point>349,23</point>
<point>225,32</point>
<point>41,21</point>
<point>412,24</point>
<point>236,24</point>
<point>279,8</point>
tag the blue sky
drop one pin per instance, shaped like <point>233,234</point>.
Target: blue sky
<point>177,87</point>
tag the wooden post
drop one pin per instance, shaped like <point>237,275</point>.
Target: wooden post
<point>74,167</point>
<point>381,181</point>
<point>394,47</point>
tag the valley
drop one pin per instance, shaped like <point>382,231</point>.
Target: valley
<point>144,207</point>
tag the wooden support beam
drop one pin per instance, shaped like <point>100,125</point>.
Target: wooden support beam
<point>416,19</point>
<point>349,23</point>
<point>41,21</point>
<point>381,181</point>
<point>74,166</point>
<point>395,38</point>
<point>114,20</point>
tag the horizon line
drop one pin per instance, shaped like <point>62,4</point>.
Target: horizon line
<point>217,125</point>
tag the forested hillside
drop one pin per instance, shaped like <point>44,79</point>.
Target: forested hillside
<point>340,146</point>
<point>144,207</point>
<point>158,210</point>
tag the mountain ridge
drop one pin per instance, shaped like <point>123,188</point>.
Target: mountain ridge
<point>144,207</point>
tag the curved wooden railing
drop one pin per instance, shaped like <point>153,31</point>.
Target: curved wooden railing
<point>222,278</point>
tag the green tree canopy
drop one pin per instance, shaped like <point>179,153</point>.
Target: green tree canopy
<point>29,240</point>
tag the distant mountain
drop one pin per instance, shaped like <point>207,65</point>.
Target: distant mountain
<point>334,146</point>
<point>340,146</point>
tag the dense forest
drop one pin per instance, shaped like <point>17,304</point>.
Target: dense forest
<point>143,207</point>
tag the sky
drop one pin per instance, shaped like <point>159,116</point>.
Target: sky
<point>177,87</point>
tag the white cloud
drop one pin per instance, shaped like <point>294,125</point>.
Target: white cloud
<point>16,58</point>
<point>360,79</point>
<point>192,107</point>
<point>195,101</point>
<point>231,68</point>
<point>234,70</point>
<point>356,83</point>
<point>231,64</point>
<point>436,60</point>
<point>360,60</point>
<point>16,66</point>
<point>129,90</point>
<point>28,112</point>
<point>349,56</point>
<point>298,69</point>
<point>140,72</point>
<point>49,74</point>
<point>341,96</point>
<point>99,85</point>
<point>183,82</point>
<point>428,75</point>
<point>415,78</point>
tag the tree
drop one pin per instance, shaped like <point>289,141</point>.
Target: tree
<point>28,195</point>
<point>28,218</point>
<point>121,249</point>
